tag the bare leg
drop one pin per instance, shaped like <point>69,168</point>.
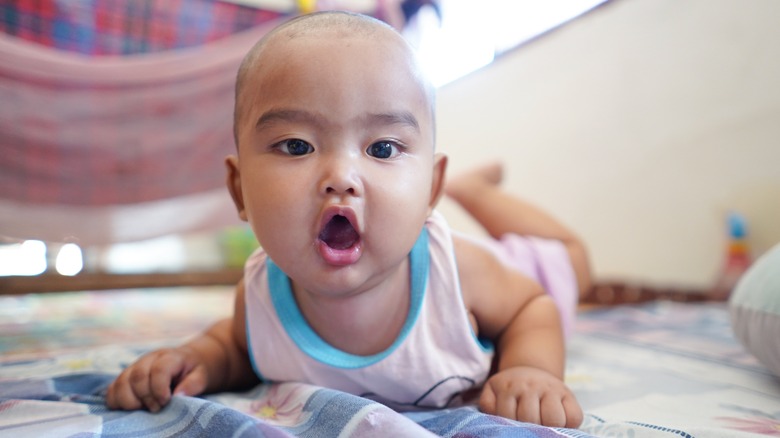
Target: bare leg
<point>478,191</point>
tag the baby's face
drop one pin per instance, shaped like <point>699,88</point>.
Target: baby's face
<point>336,158</point>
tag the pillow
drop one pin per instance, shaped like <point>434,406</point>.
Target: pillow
<point>755,309</point>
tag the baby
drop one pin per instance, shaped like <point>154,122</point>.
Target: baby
<point>360,285</point>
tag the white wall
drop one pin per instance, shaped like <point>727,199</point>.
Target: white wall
<point>639,125</point>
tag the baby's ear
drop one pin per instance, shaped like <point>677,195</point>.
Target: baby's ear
<point>234,185</point>
<point>439,174</point>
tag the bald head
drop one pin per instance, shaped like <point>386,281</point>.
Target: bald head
<point>328,24</point>
<point>333,23</point>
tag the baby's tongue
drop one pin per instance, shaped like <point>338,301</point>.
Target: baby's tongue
<point>339,233</point>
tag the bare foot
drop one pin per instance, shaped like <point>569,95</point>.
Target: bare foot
<point>472,181</point>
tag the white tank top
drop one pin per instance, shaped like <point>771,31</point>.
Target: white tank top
<point>434,359</point>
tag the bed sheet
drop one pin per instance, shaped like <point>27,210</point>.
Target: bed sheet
<point>669,367</point>
<point>657,369</point>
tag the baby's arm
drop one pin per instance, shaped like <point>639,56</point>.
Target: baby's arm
<point>215,361</point>
<point>524,323</point>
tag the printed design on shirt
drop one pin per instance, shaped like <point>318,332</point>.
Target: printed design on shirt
<point>447,389</point>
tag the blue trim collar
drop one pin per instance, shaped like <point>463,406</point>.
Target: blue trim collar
<point>313,345</point>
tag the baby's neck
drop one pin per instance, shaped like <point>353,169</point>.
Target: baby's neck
<point>363,324</point>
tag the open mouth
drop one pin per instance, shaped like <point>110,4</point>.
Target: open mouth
<point>338,233</point>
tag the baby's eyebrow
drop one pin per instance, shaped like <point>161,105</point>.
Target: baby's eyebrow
<point>286,115</point>
<point>405,118</point>
<point>395,118</point>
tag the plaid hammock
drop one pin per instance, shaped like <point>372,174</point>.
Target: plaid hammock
<point>115,116</point>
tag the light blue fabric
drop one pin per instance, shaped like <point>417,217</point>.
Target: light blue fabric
<point>74,406</point>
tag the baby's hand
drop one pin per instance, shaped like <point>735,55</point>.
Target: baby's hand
<point>147,383</point>
<point>530,395</point>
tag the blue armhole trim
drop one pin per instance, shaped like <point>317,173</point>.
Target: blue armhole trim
<point>310,342</point>
<point>486,344</point>
<point>249,347</point>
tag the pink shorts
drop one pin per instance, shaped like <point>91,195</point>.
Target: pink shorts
<point>548,263</point>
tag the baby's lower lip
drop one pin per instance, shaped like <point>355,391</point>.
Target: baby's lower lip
<point>340,257</point>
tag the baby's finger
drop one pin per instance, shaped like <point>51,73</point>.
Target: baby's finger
<point>552,411</point>
<point>193,383</point>
<point>138,377</point>
<point>574,415</point>
<point>528,408</point>
<point>120,393</point>
<point>159,389</point>
<point>120,396</point>
<point>151,403</point>
<point>161,375</point>
<point>506,405</point>
<point>487,400</point>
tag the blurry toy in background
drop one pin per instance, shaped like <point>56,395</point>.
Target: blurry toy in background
<point>306,6</point>
<point>237,243</point>
<point>737,258</point>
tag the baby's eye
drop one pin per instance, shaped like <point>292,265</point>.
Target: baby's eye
<point>295,146</point>
<point>382,149</point>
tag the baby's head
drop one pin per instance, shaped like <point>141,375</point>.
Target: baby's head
<point>335,24</point>
<point>335,170</point>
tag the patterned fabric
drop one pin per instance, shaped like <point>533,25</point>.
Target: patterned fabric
<point>126,27</point>
<point>660,369</point>
<point>73,406</point>
<point>98,148</point>
<point>143,127</point>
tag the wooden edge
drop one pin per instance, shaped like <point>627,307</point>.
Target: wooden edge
<point>18,285</point>
<point>613,292</point>
<point>603,293</point>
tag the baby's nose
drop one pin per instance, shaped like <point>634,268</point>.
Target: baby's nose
<point>342,176</point>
